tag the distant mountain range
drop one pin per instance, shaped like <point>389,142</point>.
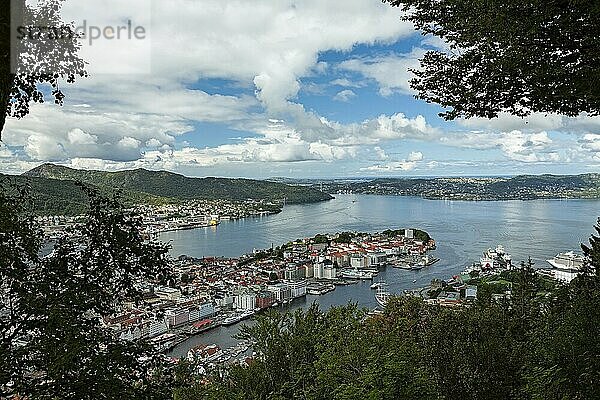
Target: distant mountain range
<point>523,187</point>
<point>55,190</point>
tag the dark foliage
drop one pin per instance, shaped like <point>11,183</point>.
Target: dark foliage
<point>53,342</point>
<point>29,66</point>
<point>509,56</point>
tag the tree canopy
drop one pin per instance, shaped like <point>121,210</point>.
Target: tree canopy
<point>509,56</point>
<point>52,342</point>
<point>32,63</point>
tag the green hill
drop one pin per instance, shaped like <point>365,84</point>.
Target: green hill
<point>55,190</point>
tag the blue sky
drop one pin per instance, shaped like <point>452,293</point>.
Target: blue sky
<point>266,88</point>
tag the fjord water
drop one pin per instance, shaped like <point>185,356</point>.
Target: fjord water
<point>462,229</point>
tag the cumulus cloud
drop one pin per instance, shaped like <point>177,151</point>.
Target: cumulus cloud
<point>269,45</point>
<point>515,145</point>
<point>77,136</point>
<point>535,122</point>
<point>591,142</point>
<point>264,50</point>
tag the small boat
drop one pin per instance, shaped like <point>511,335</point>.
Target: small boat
<point>414,281</point>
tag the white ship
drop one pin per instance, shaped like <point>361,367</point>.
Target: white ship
<point>382,295</point>
<point>357,274</point>
<point>234,319</point>
<point>566,266</point>
<point>495,258</point>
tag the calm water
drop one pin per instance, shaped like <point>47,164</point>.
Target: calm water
<point>539,229</point>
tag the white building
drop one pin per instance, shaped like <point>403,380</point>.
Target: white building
<point>357,261</point>
<point>245,301</point>
<point>225,302</point>
<point>280,291</point>
<point>329,272</point>
<point>309,270</point>
<point>319,270</point>
<point>297,288</point>
<point>157,327</point>
<point>376,259</point>
<point>194,314</point>
<point>167,293</point>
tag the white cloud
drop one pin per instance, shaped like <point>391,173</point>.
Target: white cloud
<point>345,96</point>
<point>77,136</point>
<point>390,71</point>
<point>344,82</point>
<point>415,156</point>
<point>263,49</point>
<point>129,143</point>
<point>381,155</point>
<point>44,148</point>
<point>535,122</point>
<point>515,145</point>
<point>270,45</point>
<point>591,142</point>
<point>406,165</point>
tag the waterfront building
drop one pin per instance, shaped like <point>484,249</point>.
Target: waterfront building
<point>294,271</point>
<point>206,310</point>
<point>280,291</point>
<point>342,258</point>
<point>245,301</point>
<point>376,259</point>
<point>194,314</point>
<point>358,261</point>
<point>225,301</point>
<point>177,317</point>
<point>297,288</point>
<point>319,270</point>
<point>156,327</point>
<point>330,272</point>
<point>309,270</point>
<point>264,299</point>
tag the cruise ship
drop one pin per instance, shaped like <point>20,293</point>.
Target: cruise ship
<point>566,266</point>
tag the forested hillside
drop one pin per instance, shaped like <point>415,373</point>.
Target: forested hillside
<point>55,189</point>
